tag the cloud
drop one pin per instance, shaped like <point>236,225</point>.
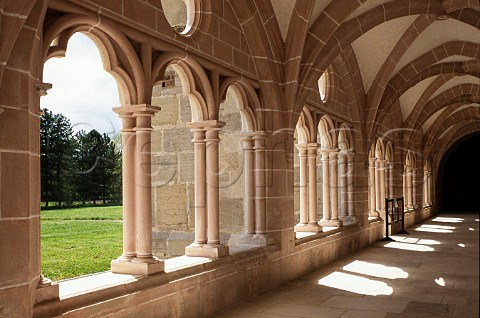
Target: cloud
<point>82,90</point>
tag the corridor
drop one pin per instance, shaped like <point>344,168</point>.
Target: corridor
<point>432,272</point>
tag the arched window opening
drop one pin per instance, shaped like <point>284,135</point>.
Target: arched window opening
<point>81,172</point>
<point>328,136</point>
<point>172,167</point>
<point>180,14</point>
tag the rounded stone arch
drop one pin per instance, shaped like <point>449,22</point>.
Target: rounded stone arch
<point>463,93</point>
<point>195,83</point>
<point>456,133</point>
<point>428,65</point>
<point>248,102</point>
<point>345,141</point>
<point>439,126</point>
<point>327,132</point>
<point>124,65</point>
<point>306,123</point>
<point>344,34</point>
<point>303,135</point>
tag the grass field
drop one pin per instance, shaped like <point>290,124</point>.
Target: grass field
<point>80,241</point>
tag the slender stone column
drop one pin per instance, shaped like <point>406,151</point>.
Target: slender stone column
<point>206,140</point>
<point>390,180</point>
<point>404,188</point>
<point>260,193</point>
<point>128,185</point>
<point>312,187</point>
<point>249,184</point>
<point>138,258</point>
<point>425,189</point>
<point>334,188</point>
<point>342,184</point>
<point>378,200</point>
<point>429,188</point>
<point>143,179</point>
<point>408,190</point>
<point>199,150</point>
<point>350,165</point>
<point>371,174</point>
<point>302,154</point>
<point>326,188</point>
<point>212,139</point>
<point>414,189</point>
<point>381,172</point>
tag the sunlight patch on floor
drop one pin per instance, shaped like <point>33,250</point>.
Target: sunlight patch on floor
<point>435,228</point>
<point>376,270</point>
<point>356,284</point>
<point>409,247</point>
<point>448,220</point>
<point>440,281</point>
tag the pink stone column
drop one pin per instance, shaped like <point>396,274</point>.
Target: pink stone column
<point>342,184</point>
<point>325,188</point>
<point>351,206</point>
<point>335,221</point>
<point>138,258</point>
<point>414,189</point>
<point>260,183</point>
<point>382,187</point>
<point>429,188</point>
<point>128,185</point>
<point>249,184</point>
<point>373,199</point>
<point>143,174</point>
<point>390,180</point>
<point>408,182</point>
<point>312,187</point>
<point>199,149</point>
<point>212,139</point>
<point>302,154</point>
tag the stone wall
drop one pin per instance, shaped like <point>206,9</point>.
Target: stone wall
<point>173,170</point>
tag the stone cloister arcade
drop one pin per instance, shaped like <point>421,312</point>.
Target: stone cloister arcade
<point>338,105</point>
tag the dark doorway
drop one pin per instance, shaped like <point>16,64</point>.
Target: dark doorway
<point>459,176</point>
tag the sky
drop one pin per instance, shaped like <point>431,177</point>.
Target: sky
<point>82,90</point>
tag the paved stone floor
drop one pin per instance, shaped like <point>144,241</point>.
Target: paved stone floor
<point>433,272</point>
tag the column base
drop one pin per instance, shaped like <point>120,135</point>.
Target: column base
<point>409,207</point>
<point>206,250</point>
<point>331,223</point>
<point>137,268</point>
<point>315,228</point>
<point>46,290</point>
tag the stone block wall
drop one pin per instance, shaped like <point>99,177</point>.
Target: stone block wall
<point>174,174</point>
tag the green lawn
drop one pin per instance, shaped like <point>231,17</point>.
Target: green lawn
<point>80,241</point>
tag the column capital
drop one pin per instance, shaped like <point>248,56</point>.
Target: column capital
<point>333,154</point>
<point>136,110</point>
<point>302,149</point>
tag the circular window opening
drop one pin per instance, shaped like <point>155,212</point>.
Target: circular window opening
<point>323,85</point>
<point>180,14</point>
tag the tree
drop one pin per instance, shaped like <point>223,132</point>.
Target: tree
<point>97,160</point>
<point>56,149</point>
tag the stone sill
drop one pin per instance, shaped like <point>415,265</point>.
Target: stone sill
<point>304,237</point>
<point>90,289</point>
